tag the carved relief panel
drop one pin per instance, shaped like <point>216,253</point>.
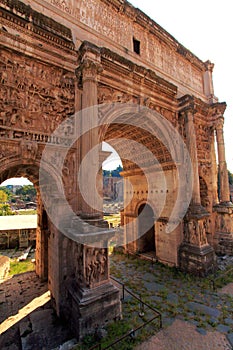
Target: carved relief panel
<point>96,265</point>
<point>34,96</point>
<point>195,231</point>
<point>8,150</point>
<point>203,136</point>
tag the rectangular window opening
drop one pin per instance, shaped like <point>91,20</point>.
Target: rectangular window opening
<point>136,46</point>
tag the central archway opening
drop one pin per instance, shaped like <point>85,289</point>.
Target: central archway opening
<point>113,186</point>
<point>146,229</point>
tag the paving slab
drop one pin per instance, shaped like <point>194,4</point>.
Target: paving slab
<point>203,309</point>
<point>230,338</point>
<point>181,335</point>
<point>46,332</point>
<point>228,289</point>
<point>153,286</point>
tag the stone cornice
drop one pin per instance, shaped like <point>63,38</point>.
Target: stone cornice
<point>198,107</point>
<point>35,23</point>
<point>217,110</point>
<point>108,57</point>
<point>139,70</point>
<point>88,47</point>
<point>216,115</point>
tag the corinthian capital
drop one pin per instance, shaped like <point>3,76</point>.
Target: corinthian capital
<point>90,69</point>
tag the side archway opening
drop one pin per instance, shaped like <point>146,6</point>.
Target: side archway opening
<point>146,229</point>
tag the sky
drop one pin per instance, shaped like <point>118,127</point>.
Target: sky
<point>204,27</point>
<point>16,181</point>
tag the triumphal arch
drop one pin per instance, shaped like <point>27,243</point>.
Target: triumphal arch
<point>75,73</point>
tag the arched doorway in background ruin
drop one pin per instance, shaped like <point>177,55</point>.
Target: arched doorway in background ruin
<point>146,229</point>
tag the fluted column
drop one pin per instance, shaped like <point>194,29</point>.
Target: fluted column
<point>223,173</point>
<point>223,230</point>
<point>192,148</point>
<point>214,170</point>
<point>90,162</point>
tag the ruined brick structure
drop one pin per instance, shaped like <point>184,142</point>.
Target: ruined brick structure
<point>60,56</point>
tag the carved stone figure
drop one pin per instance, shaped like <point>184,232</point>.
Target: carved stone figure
<point>102,263</point>
<point>29,149</point>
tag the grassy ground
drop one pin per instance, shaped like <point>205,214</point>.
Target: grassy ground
<point>17,267</point>
<point>172,293</point>
<point>27,212</point>
<point>114,219</point>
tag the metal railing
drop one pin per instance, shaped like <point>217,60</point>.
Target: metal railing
<point>132,332</point>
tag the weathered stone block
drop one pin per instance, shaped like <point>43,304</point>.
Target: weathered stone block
<point>89,309</point>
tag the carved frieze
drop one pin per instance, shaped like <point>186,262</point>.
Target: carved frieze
<point>8,150</point>
<point>34,96</point>
<point>110,95</point>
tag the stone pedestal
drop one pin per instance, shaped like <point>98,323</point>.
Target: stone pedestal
<point>223,237</point>
<point>199,261</point>
<point>196,256</point>
<point>92,308</point>
<point>90,298</point>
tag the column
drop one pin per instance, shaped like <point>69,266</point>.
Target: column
<point>214,170</point>
<point>90,148</point>
<point>208,82</point>
<point>223,237</point>
<point>78,108</point>
<point>92,299</point>
<point>223,173</point>
<point>192,148</point>
<point>195,254</point>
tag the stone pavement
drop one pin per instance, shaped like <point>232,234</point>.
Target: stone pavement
<point>27,320</point>
<point>194,316</point>
<point>18,291</point>
<point>182,335</point>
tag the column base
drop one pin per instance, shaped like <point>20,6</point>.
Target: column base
<point>223,236</point>
<point>223,243</point>
<point>224,207</point>
<point>89,309</point>
<point>197,260</point>
<point>94,220</point>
